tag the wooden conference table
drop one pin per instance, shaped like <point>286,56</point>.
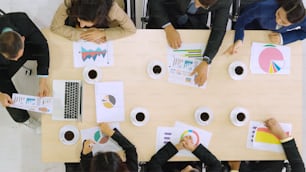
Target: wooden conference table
<point>264,96</point>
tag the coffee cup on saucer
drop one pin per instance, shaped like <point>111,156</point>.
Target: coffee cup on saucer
<point>203,116</point>
<point>139,116</point>
<point>92,74</point>
<point>239,116</point>
<point>237,70</point>
<point>69,134</point>
<point>156,69</point>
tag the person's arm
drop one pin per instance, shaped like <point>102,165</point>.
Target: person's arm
<point>126,26</point>
<point>249,14</point>
<point>294,35</point>
<point>130,150</point>
<point>127,146</point>
<point>212,163</point>
<point>288,143</point>
<point>293,156</point>
<point>58,25</point>
<point>219,23</point>
<point>86,155</point>
<point>161,157</point>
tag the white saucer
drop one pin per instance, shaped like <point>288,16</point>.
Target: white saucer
<point>66,128</point>
<point>86,77</point>
<point>232,73</point>
<point>197,115</point>
<point>150,69</point>
<point>133,116</point>
<point>233,116</point>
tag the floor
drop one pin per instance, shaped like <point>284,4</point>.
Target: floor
<point>20,147</point>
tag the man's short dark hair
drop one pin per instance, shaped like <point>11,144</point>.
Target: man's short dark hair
<point>10,44</point>
<point>208,2</point>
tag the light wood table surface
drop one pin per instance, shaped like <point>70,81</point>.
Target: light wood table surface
<point>264,96</point>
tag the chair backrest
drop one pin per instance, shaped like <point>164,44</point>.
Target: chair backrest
<point>1,12</point>
<point>145,14</point>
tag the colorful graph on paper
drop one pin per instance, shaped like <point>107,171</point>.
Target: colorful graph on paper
<point>109,101</point>
<point>89,53</point>
<point>261,138</point>
<point>102,142</point>
<point>182,61</point>
<point>270,59</point>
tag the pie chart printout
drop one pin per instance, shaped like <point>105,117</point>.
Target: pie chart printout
<point>109,101</point>
<point>271,60</point>
<point>195,136</point>
<point>99,138</point>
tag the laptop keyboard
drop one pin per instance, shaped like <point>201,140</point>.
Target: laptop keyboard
<point>71,100</point>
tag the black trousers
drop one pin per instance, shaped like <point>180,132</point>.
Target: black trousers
<point>6,86</point>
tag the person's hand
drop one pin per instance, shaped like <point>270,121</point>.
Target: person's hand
<point>43,87</point>
<point>201,73</point>
<point>233,49</point>
<point>94,35</point>
<point>179,146</point>
<point>87,146</point>
<point>188,143</point>
<point>275,128</point>
<point>5,99</point>
<point>105,129</point>
<point>275,37</point>
<point>173,37</point>
<point>234,165</point>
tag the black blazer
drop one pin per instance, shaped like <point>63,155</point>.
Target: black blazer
<point>162,12</point>
<point>35,45</point>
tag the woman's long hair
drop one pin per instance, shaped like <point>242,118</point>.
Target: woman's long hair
<point>107,162</point>
<point>95,11</point>
<point>294,8</point>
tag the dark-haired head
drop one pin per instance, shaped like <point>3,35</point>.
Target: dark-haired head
<point>107,162</point>
<point>294,9</point>
<point>11,45</point>
<point>93,11</point>
<point>207,3</point>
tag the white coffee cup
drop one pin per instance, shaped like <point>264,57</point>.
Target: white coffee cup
<point>92,74</point>
<point>203,116</point>
<point>239,116</point>
<point>139,116</point>
<point>156,69</point>
<point>237,70</point>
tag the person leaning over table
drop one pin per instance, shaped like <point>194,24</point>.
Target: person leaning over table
<point>92,20</point>
<point>109,161</point>
<point>158,162</point>
<point>290,149</point>
<point>191,14</point>
<point>285,18</point>
<point>21,40</point>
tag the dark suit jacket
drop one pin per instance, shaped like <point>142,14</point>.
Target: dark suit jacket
<point>162,12</point>
<point>35,45</point>
<point>261,15</point>
<point>167,151</point>
<point>127,146</point>
<point>292,154</point>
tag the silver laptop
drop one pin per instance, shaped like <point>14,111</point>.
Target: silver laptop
<point>67,103</point>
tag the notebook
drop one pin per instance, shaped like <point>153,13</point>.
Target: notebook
<point>67,100</point>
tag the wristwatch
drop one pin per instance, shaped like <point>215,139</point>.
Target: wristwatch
<point>207,59</point>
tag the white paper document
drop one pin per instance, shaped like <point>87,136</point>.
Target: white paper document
<point>32,103</point>
<point>181,63</point>
<point>109,101</point>
<point>270,59</point>
<point>261,138</point>
<point>102,142</point>
<point>89,53</point>
<point>180,130</point>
